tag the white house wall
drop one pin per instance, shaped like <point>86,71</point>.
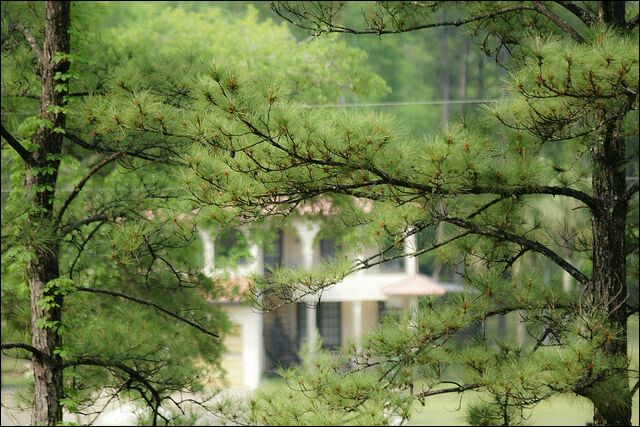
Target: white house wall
<point>369,319</point>
<point>291,249</point>
<point>250,324</point>
<point>362,287</point>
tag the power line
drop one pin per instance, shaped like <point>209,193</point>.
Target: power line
<point>401,103</point>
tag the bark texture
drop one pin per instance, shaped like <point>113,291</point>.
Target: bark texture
<point>40,184</point>
<point>609,291</point>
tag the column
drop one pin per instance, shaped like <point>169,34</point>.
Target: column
<point>520,314</point>
<point>312,329</point>
<point>255,251</point>
<point>356,307</point>
<point>255,254</point>
<point>252,350</point>
<point>567,284</point>
<point>411,269</point>
<point>209,253</point>
<point>411,262</point>
<point>521,328</point>
<point>307,232</point>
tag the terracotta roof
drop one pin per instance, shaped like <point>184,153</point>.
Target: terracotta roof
<point>325,206</point>
<point>418,284</point>
<point>320,205</point>
<point>231,290</point>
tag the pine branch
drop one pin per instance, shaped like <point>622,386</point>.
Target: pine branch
<point>84,180</point>
<point>133,375</point>
<point>377,259</point>
<point>425,188</point>
<point>458,389</point>
<point>513,259</point>
<point>633,189</point>
<point>504,192</point>
<point>21,95</point>
<point>560,23</point>
<point>88,220</point>
<point>78,94</point>
<point>534,189</point>
<point>37,353</point>
<point>583,387</point>
<point>325,24</point>
<point>522,241</point>
<point>15,144</point>
<point>81,248</point>
<point>37,97</point>
<point>150,304</point>
<point>281,10</point>
<point>138,154</point>
<point>584,15</point>
<point>633,22</point>
<point>31,40</point>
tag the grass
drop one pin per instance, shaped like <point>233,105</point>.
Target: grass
<point>14,373</point>
<point>449,410</point>
<point>561,410</point>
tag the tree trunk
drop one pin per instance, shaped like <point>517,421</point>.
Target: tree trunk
<point>501,331</point>
<point>608,287</point>
<point>480,76</point>
<point>47,372</point>
<point>40,183</point>
<point>464,73</point>
<point>444,67</point>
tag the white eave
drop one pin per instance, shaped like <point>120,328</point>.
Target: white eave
<point>415,285</point>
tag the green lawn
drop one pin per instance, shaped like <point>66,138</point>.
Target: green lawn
<point>567,410</point>
<point>558,411</point>
<point>14,372</point>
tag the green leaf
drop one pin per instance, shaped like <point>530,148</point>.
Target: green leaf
<point>46,324</point>
<point>60,352</point>
<point>60,286</point>
<point>61,56</point>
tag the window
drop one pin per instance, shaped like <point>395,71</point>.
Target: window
<point>273,253</point>
<point>388,312</point>
<point>328,249</point>
<point>301,314</point>
<point>231,248</point>
<point>279,345</point>
<point>329,321</point>
<point>382,310</point>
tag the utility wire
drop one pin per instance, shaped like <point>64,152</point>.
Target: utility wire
<point>400,103</point>
<point>385,104</point>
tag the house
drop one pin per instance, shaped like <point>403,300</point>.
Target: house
<point>264,341</point>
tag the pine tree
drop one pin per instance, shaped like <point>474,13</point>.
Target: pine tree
<point>117,305</point>
<point>96,240</point>
<point>566,131</point>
